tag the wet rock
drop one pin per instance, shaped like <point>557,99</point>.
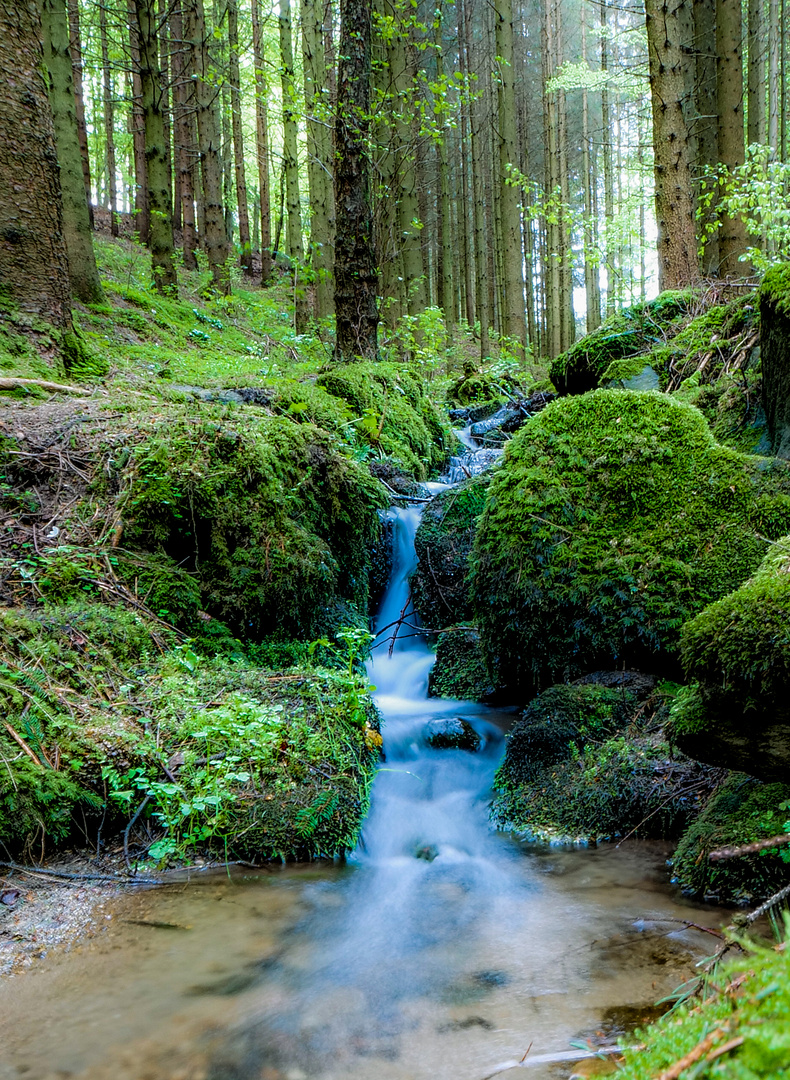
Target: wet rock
<point>427,852</point>
<point>453,733</point>
<point>473,464</point>
<point>482,428</point>
<point>245,395</point>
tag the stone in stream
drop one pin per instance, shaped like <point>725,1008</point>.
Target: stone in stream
<point>453,733</point>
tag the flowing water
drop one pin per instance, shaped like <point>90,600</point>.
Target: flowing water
<point>442,950</point>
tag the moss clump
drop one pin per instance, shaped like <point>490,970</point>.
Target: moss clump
<point>737,651</point>
<point>474,388</point>
<point>440,587</point>
<point>580,766</point>
<point>741,811</point>
<point>79,361</point>
<point>747,1000</point>
<point>630,332</point>
<point>613,519</point>
<point>274,523</point>
<point>260,763</point>
<point>460,670</point>
<point>775,345</point>
<point>397,415</point>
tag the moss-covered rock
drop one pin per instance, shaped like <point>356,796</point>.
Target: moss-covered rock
<point>460,670</point>
<point>631,332</point>
<point>614,518</point>
<point>440,588</point>
<point>232,758</point>
<point>775,349</point>
<point>741,811</point>
<point>736,713</point>
<point>452,733</point>
<point>395,413</point>
<point>588,762</point>
<point>272,520</point>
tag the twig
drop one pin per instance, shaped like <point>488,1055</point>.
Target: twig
<point>42,384</point>
<point>18,738</point>
<point>128,829</point>
<point>699,1051</point>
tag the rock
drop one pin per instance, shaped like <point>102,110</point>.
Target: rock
<point>460,671</point>
<point>452,734</point>
<point>612,519</point>
<point>736,713</point>
<point>483,427</point>
<point>444,539</point>
<point>473,463</point>
<point>775,354</point>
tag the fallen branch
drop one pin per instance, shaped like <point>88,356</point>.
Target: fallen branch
<point>42,384</point>
<point>749,849</point>
<point>18,739</point>
<point>115,878</point>
<point>698,1052</point>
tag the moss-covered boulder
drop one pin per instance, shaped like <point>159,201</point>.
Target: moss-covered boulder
<point>775,350</point>
<point>460,670</point>
<point>740,812</point>
<point>736,713</point>
<point>614,518</point>
<point>589,762</point>
<point>109,712</point>
<point>629,333</point>
<point>440,587</point>
<point>395,414</point>
<point>452,733</point>
<point>275,524</point>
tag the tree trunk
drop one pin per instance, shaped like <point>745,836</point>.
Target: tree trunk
<point>262,147</point>
<point>773,75</point>
<point>34,265</point>
<point>356,280</point>
<point>184,137</point>
<point>677,235</point>
<point>707,129</point>
<point>238,139</point>
<point>592,286</point>
<point>165,84</point>
<point>729,85</point>
<point>157,168</point>
<point>83,275</point>
<point>483,309</point>
<point>514,320</point>
<point>294,230</point>
<point>319,154</point>
<point>215,238</point>
<point>755,71</point>
<point>109,122</point>
<point>608,172</point>
<point>138,129</point>
<point>447,284</point>
<point>75,48</point>
<point>552,275</point>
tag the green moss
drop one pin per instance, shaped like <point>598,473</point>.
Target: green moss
<point>741,811</point>
<point>275,524</point>
<point>775,288</point>
<point>474,389</point>
<point>613,519</point>
<point>627,369</point>
<point>754,1008</point>
<point>628,333</point>
<point>103,697</point>
<point>395,413</point>
<point>79,361</point>
<point>572,771</point>
<point>440,587</point>
<point>460,670</point>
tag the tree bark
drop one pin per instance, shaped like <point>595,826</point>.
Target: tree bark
<point>262,147</point>
<point>75,48</point>
<point>729,87</point>
<point>356,279</point>
<point>109,122</point>
<point>294,230</point>
<point>138,129</point>
<point>319,154</point>
<point>677,234</point>
<point>755,74</point>
<point>184,136</point>
<point>238,139</point>
<point>34,266</point>
<point>215,238</point>
<point>706,129</point>
<point>157,166</point>
<point>592,285</point>
<point>83,274</point>
<point>608,172</point>
<point>514,321</point>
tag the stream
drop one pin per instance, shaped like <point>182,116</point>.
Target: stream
<point>441,951</point>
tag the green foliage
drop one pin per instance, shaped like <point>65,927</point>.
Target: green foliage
<point>439,585</point>
<point>614,518</point>
<point>628,333</point>
<point>274,523</point>
<point>579,765</point>
<point>79,361</point>
<point>741,811</point>
<point>460,670</point>
<point>747,999</point>
<point>775,288</point>
<point>394,412</point>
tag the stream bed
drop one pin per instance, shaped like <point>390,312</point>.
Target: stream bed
<point>441,951</point>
